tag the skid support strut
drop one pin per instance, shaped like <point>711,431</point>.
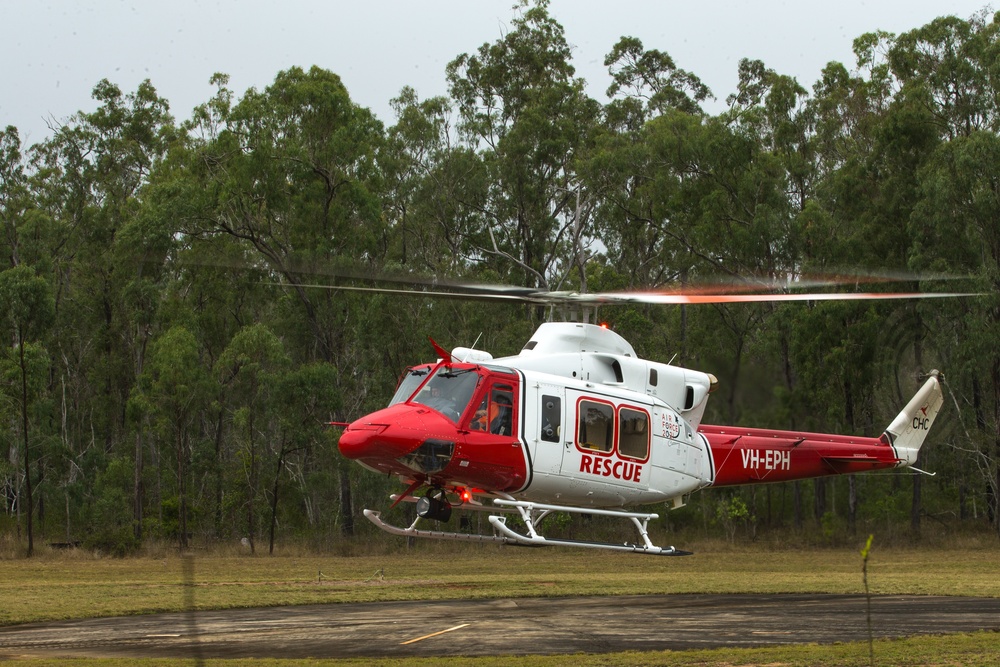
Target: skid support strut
<point>533,513</point>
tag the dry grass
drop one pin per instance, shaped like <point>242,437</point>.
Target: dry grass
<point>74,584</point>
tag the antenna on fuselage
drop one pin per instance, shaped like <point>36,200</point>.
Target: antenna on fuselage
<point>473,348</point>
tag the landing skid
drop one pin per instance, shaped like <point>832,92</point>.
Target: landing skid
<point>412,531</point>
<point>532,514</point>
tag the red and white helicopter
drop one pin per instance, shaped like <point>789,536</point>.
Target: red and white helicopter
<point>577,422</point>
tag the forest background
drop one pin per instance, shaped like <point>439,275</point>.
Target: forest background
<point>170,367</point>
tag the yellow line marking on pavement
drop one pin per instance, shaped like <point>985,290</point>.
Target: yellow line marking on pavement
<point>435,634</point>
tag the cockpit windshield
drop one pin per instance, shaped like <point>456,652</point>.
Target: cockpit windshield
<point>449,391</point>
<point>409,382</point>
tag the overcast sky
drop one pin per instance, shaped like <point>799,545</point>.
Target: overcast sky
<point>55,51</point>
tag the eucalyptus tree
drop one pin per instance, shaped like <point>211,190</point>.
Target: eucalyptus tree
<point>943,119</point>
<point>845,223</point>
<point>213,284</point>
<point>524,111</point>
<point>290,173</point>
<point>435,197</point>
<point>96,165</point>
<point>25,245</point>
<point>949,64</point>
<point>177,388</point>
<point>28,309</point>
<point>879,135</point>
<point>788,128</point>
<point>642,159</point>
<point>305,397</point>
<point>249,368</point>
<point>14,196</point>
<point>86,182</point>
<point>649,81</point>
<point>435,187</point>
<point>948,69</point>
<point>13,203</point>
<point>957,218</point>
<point>644,156</point>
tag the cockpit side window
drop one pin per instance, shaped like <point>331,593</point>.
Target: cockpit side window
<point>495,413</point>
<point>502,398</point>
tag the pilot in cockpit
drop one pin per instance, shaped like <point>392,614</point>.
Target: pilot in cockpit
<point>496,415</point>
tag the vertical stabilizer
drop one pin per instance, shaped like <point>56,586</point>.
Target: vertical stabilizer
<point>908,430</point>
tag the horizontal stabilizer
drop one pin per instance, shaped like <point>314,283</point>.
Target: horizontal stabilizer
<point>844,465</point>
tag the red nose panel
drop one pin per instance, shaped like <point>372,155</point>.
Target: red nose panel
<point>390,433</point>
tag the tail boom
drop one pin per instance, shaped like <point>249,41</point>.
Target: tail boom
<point>753,455</point>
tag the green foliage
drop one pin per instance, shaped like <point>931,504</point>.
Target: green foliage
<point>528,117</point>
<point>732,513</point>
<point>653,76</point>
<point>111,514</point>
<point>169,295</point>
<point>26,303</point>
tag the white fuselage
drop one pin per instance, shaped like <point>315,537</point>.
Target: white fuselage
<point>606,446</point>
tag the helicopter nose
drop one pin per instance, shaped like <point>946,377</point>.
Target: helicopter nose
<point>363,439</point>
<point>396,437</point>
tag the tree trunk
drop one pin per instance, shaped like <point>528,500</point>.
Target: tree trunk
<point>251,486</point>
<point>995,482</point>
<point>138,491</point>
<point>819,499</point>
<point>274,501</point>
<point>218,465</point>
<point>27,458</point>
<point>39,493</point>
<point>181,489</point>
<point>852,486</point>
<point>797,503</point>
<point>137,488</point>
<point>346,510</point>
<point>852,505</point>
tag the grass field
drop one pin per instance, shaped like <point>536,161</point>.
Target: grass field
<point>76,584</point>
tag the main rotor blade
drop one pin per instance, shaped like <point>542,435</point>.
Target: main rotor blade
<point>547,298</point>
<point>668,298</point>
<point>516,298</point>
